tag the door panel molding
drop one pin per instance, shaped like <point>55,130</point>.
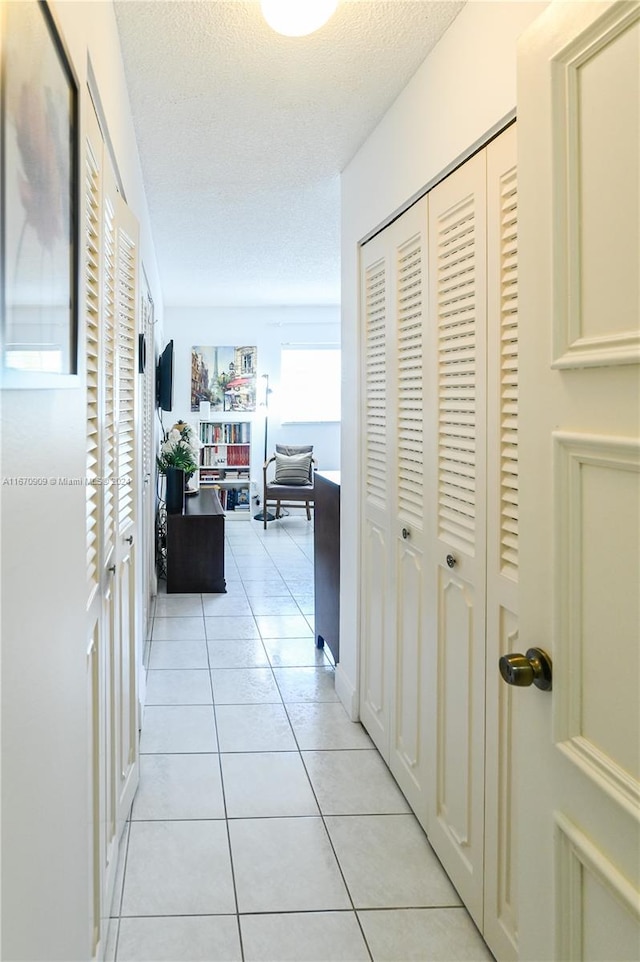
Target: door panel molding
<point>374,703</point>
<point>506,854</point>
<point>409,660</point>
<point>582,193</point>
<point>455,762</point>
<point>577,859</point>
<point>597,476</point>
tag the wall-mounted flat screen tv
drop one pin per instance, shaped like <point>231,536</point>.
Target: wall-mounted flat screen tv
<point>164,379</point>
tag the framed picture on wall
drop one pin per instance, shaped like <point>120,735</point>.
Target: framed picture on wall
<point>40,201</point>
<point>225,377</point>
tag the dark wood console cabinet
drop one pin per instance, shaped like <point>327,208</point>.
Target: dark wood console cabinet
<point>195,545</point>
<point>326,557</point>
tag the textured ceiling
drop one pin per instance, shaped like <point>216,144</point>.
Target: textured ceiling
<point>243,134</point>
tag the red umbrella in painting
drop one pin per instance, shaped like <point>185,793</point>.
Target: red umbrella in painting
<point>241,391</point>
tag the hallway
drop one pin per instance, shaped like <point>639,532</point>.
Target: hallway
<point>266,826</point>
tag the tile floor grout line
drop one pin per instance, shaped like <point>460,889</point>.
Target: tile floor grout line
<point>326,829</point>
<point>299,753</point>
<point>224,804</point>
<point>344,911</point>
<point>335,854</point>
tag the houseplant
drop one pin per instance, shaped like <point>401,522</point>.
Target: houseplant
<point>178,461</point>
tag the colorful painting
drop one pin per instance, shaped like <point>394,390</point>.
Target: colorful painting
<point>225,377</point>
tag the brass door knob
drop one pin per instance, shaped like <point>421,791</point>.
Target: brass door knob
<point>534,668</point>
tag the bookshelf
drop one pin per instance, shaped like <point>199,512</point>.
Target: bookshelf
<point>225,462</point>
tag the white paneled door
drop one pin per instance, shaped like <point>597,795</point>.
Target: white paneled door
<point>579,124</point>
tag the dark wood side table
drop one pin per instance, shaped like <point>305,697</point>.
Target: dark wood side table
<point>326,557</point>
<point>195,545</point>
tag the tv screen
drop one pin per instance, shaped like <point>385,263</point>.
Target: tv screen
<point>164,379</point>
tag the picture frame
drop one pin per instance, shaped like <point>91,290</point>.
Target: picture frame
<point>40,193</point>
<point>224,377</point>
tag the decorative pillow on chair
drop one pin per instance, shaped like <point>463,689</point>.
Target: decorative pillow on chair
<point>293,468</point>
<point>294,449</point>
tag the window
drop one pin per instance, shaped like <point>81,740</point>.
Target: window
<point>310,384</point>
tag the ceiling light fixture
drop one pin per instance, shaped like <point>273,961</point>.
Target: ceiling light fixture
<point>297,18</point>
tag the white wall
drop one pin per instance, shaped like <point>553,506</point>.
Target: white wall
<point>46,819</point>
<point>465,86</point>
<point>268,329</point>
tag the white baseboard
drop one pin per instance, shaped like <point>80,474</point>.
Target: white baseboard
<point>348,694</point>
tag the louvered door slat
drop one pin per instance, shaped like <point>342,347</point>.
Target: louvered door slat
<point>457,362</point>
<point>410,402</point>
<point>509,375</point>
<point>125,276</point>
<point>92,302</point>
<point>376,383</point>
<point>147,400</point>
<point>108,314</point>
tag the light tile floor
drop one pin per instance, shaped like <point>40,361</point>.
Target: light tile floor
<point>266,825</point>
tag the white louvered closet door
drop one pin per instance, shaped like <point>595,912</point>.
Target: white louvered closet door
<point>108,529</point>
<point>377,590</point>
<point>393,680</point>
<point>146,555</point>
<point>456,501</point>
<point>501,815</point>
<point>96,641</point>
<point>126,303</point>
<point>440,527</point>
<point>110,277</point>
<point>407,760</point>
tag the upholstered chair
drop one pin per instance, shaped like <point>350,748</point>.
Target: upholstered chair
<point>293,481</point>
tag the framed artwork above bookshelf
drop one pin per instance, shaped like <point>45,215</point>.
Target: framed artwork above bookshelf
<point>224,377</point>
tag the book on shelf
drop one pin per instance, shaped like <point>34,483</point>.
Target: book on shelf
<point>237,432</point>
<point>219,457</point>
<point>236,498</point>
<point>238,455</point>
<point>243,498</point>
<point>212,456</point>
